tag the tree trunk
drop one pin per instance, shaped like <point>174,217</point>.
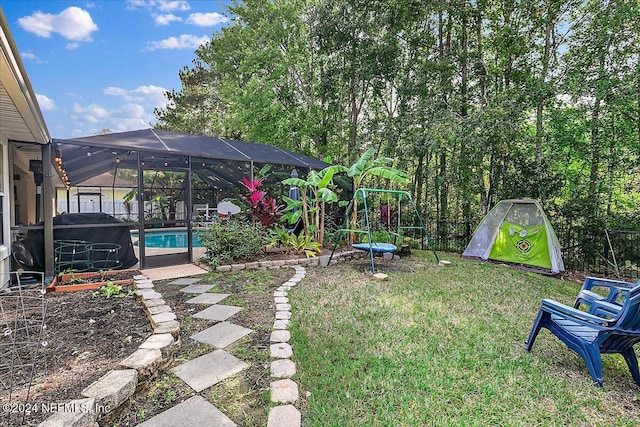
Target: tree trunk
<point>419,177</point>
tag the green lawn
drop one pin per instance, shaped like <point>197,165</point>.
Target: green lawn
<point>443,346</point>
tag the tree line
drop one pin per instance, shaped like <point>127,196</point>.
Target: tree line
<point>476,100</point>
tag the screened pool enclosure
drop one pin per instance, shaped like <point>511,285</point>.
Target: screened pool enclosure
<point>155,179</point>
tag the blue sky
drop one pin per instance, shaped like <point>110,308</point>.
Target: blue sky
<point>105,64</point>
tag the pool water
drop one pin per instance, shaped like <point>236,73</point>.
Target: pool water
<point>167,239</point>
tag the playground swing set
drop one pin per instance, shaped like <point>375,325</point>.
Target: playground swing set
<point>390,217</point>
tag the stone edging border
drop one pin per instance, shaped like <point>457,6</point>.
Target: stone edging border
<point>284,391</point>
<point>106,395</point>
<point>271,265</point>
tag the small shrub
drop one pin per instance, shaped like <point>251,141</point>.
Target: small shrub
<point>279,237</point>
<point>112,290</point>
<point>379,236</point>
<point>235,239</point>
<point>73,280</point>
<point>304,244</point>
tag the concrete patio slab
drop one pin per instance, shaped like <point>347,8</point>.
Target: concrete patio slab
<point>173,272</point>
<point>207,370</point>
<point>195,411</point>
<point>217,312</point>
<point>221,334</point>
<point>185,281</point>
<point>207,298</point>
<point>196,289</point>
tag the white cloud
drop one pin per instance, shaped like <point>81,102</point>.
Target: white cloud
<point>45,102</point>
<point>148,95</point>
<point>185,41</point>
<point>167,6</point>
<point>135,113</point>
<point>166,19</point>
<point>134,4</point>
<point>162,5</point>
<point>93,118</point>
<point>93,113</point>
<point>32,57</point>
<point>72,23</point>
<point>206,19</point>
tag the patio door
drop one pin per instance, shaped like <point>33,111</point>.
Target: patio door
<point>165,236</point>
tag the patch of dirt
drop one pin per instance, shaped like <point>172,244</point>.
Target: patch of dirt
<point>86,336</point>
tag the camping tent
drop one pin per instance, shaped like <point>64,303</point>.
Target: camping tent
<point>517,231</point>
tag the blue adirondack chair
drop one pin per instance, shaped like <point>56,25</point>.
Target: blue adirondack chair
<point>592,335</point>
<point>603,297</point>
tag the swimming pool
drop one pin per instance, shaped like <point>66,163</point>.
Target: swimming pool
<point>166,239</point>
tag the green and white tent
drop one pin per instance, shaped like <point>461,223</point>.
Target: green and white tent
<point>517,231</point>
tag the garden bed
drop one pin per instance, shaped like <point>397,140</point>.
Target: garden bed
<point>91,280</point>
<point>87,335</point>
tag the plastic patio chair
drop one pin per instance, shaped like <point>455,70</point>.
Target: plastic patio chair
<point>590,335</point>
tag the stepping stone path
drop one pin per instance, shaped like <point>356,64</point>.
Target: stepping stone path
<point>211,368</point>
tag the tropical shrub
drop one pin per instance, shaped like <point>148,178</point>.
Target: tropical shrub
<point>263,208</point>
<point>303,244</point>
<point>279,238</point>
<point>232,240</point>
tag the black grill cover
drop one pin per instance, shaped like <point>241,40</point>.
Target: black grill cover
<point>92,232</point>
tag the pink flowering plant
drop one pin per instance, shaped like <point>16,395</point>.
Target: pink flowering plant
<point>263,208</point>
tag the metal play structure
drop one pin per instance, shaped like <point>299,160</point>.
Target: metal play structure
<point>389,214</point>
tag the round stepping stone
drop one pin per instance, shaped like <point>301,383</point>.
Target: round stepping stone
<point>284,391</point>
<point>281,350</point>
<point>283,368</point>
<point>284,415</point>
<point>283,315</point>
<point>281,335</point>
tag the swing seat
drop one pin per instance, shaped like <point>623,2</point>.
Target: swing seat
<point>376,247</point>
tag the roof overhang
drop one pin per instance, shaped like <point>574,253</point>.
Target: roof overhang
<point>20,116</point>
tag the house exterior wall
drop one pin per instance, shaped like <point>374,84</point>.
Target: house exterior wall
<point>5,192</point>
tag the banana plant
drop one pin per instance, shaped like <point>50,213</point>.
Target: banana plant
<point>315,192</point>
<point>368,165</point>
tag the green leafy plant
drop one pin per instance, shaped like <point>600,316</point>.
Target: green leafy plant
<point>304,244</point>
<point>235,239</point>
<point>110,289</point>
<point>73,280</point>
<point>378,236</point>
<point>315,193</point>
<point>279,238</point>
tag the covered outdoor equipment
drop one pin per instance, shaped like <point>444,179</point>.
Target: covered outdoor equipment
<point>517,231</point>
<point>86,242</point>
